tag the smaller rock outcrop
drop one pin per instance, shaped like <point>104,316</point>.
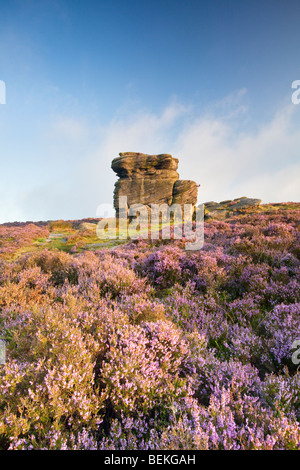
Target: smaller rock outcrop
<point>222,210</point>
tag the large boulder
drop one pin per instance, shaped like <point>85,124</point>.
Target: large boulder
<point>151,179</point>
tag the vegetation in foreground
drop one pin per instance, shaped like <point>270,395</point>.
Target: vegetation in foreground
<point>149,346</point>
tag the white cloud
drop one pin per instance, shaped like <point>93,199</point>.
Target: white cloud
<point>229,164</point>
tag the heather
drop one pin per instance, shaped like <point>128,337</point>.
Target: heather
<point>142,345</point>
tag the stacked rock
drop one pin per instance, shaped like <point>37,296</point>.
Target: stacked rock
<point>151,179</point>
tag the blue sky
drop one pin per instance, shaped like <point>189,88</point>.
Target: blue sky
<point>208,82</point>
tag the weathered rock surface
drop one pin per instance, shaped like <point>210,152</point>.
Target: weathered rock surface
<point>151,179</point>
<point>222,210</point>
<point>185,192</point>
<point>140,164</point>
<point>245,203</point>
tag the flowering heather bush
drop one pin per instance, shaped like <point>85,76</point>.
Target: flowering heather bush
<point>18,238</point>
<point>149,346</point>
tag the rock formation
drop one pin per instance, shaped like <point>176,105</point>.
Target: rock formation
<point>222,210</point>
<point>151,179</point>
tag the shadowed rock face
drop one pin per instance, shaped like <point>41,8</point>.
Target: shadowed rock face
<point>185,192</point>
<point>151,179</point>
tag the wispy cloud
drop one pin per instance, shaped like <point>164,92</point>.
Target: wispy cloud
<point>228,163</point>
